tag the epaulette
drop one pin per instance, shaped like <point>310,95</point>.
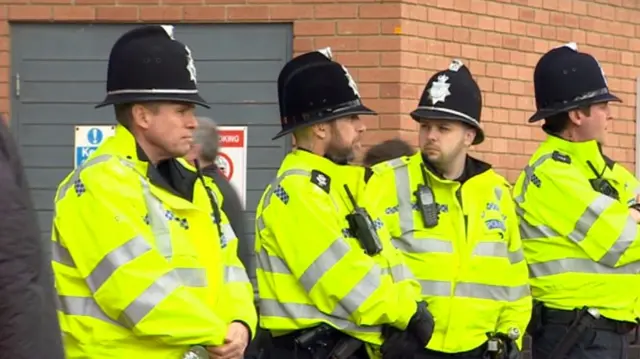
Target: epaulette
<point>321,180</point>
<point>561,157</point>
<point>390,165</point>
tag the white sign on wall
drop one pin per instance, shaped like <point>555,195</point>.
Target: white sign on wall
<point>232,158</point>
<point>87,140</point>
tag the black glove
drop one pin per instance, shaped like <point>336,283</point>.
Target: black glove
<point>398,344</point>
<point>421,324</point>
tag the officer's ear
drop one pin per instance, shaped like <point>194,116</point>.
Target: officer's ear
<point>141,116</point>
<point>320,130</point>
<point>470,134</point>
<point>577,116</point>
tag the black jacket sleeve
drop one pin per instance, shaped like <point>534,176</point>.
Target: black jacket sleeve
<point>29,325</point>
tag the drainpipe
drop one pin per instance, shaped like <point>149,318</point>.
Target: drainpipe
<point>637,134</point>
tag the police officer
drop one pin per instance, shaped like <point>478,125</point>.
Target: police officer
<point>327,279</point>
<point>135,269</point>
<point>580,237</point>
<point>453,217</point>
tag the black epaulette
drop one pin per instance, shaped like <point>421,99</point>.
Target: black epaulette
<point>368,172</point>
<point>321,180</point>
<point>561,157</point>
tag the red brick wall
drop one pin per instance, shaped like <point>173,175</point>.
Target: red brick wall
<point>392,47</point>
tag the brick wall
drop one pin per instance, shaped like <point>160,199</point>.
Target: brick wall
<point>393,46</point>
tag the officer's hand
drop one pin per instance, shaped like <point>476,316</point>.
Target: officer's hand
<point>235,344</point>
<point>421,324</point>
<point>398,344</point>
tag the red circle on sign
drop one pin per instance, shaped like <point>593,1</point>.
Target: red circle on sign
<point>223,161</point>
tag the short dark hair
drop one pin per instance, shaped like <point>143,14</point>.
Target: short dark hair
<point>387,150</point>
<point>555,124</point>
<point>124,115</point>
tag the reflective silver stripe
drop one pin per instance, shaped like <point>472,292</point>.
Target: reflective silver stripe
<point>613,255</point>
<point>298,311</point>
<point>61,254</point>
<point>578,265</point>
<point>233,274</point>
<point>590,215</point>
<point>398,272</point>
<point>113,260</point>
<point>158,221</point>
<point>492,292</point>
<point>474,290</point>
<point>529,171</point>
<point>407,243</point>
<point>359,293</point>
<point>141,306</point>
<point>192,277</point>
<point>498,249</point>
<point>327,260</point>
<point>149,299</point>
<point>273,186</point>
<point>82,306</point>
<point>76,174</point>
<point>271,264</point>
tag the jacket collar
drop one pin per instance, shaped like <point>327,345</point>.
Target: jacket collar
<point>580,152</point>
<point>472,168</point>
<point>170,175</point>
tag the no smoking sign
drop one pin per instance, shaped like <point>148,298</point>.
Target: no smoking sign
<point>224,163</point>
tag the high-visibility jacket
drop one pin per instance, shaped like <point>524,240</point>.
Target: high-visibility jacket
<point>238,287</point>
<point>140,270</point>
<point>470,265</point>
<point>629,186</point>
<point>582,246</point>
<point>310,268</point>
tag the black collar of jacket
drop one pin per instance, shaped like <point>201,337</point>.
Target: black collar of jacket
<point>610,163</point>
<point>472,168</point>
<point>170,175</point>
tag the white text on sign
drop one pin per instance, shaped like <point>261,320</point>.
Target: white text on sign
<point>232,138</point>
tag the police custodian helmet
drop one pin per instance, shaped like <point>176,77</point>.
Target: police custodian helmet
<point>565,79</point>
<point>147,64</point>
<point>454,95</point>
<point>312,88</point>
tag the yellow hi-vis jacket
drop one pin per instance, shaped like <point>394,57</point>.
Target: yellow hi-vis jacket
<point>238,286</point>
<point>140,271</point>
<point>582,246</point>
<point>310,268</point>
<point>470,265</point>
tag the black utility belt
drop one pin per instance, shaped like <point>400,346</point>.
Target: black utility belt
<point>567,317</point>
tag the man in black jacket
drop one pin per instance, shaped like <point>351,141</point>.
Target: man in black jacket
<point>29,325</point>
<point>205,150</point>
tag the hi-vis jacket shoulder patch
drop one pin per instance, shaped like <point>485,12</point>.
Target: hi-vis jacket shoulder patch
<point>561,157</point>
<point>321,180</point>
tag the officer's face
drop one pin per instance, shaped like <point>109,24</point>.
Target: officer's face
<point>169,128</point>
<point>344,138</point>
<point>594,126</point>
<point>441,141</point>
